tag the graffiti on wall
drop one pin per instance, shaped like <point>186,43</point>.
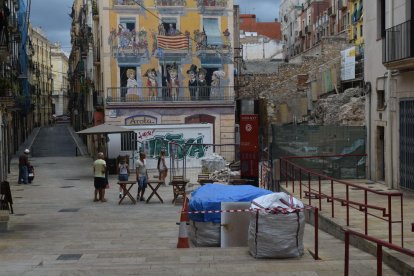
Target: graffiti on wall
<point>174,144</point>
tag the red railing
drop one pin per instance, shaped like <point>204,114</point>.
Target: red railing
<point>379,243</point>
<point>293,172</point>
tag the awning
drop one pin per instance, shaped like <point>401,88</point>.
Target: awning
<point>211,28</point>
<point>104,129</point>
<point>211,61</point>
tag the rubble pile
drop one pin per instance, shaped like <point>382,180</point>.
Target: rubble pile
<point>212,162</point>
<point>224,175</point>
<point>344,109</point>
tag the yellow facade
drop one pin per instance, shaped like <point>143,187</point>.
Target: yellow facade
<point>356,12</point>
<point>149,19</point>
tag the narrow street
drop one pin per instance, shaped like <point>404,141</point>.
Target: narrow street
<point>58,230</point>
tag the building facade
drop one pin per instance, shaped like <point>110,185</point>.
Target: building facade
<point>60,80</point>
<point>389,56</point>
<point>164,62</point>
<point>41,76</point>
<point>15,122</point>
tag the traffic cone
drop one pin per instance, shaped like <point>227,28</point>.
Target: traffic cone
<point>182,233</point>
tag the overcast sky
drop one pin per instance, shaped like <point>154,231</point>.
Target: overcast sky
<point>53,16</point>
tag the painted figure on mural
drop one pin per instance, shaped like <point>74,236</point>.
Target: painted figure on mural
<point>152,84</point>
<point>192,82</point>
<point>203,89</point>
<point>173,82</point>
<point>215,83</point>
<point>132,84</point>
<point>171,30</point>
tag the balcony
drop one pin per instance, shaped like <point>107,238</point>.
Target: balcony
<point>128,6</point>
<point>331,12</point>
<point>170,6</point>
<point>398,46</point>
<point>129,46</point>
<point>97,55</point>
<point>342,4</point>
<point>167,97</point>
<point>212,7</point>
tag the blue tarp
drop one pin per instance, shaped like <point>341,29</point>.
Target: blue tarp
<point>210,196</point>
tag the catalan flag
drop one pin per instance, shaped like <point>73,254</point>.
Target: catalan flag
<point>176,42</point>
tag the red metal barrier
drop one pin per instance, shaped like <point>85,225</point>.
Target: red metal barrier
<point>380,244</point>
<point>292,171</point>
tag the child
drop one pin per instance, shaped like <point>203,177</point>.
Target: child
<point>123,173</point>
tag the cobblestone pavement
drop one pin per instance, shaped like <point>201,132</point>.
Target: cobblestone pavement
<point>58,230</point>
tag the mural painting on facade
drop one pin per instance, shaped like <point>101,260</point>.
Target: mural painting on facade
<point>203,88</point>
<point>173,83</point>
<point>128,2</point>
<point>192,82</point>
<point>126,41</point>
<point>171,3</point>
<point>215,84</point>
<point>181,147</point>
<point>129,84</point>
<point>152,84</point>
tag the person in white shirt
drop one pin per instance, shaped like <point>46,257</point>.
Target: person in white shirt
<point>142,176</point>
<point>123,173</point>
<point>162,167</point>
<point>99,170</point>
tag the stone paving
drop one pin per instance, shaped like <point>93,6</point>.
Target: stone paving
<point>58,230</point>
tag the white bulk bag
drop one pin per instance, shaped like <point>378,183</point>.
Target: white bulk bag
<point>276,234</point>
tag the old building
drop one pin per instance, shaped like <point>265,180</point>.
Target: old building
<point>260,40</point>
<point>15,108</point>
<point>60,80</point>
<point>145,55</point>
<point>389,58</point>
<point>41,76</point>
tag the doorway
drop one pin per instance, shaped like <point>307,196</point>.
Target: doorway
<point>380,153</point>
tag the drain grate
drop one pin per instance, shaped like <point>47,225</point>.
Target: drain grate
<point>35,185</point>
<point>18,197</point>
<point>49,163</point>
<point>69,257</point>
<point>355,188</point>
<point>72,179</point>
<point>69,210</point>
<point>65,187</point>
<point>19,190</point>
<point>19,215</point>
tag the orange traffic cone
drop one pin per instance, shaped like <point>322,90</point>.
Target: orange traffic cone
<point>182,233</point>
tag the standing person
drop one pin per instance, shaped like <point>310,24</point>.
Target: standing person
<point>123,173</point>
<point>142,176</point>
<point>162,167</point>
<point>24,167</point>
<point>192,82</point>
<point>99,171</point>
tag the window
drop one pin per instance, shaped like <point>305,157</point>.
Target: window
<point>170,26</point>
<point>380,100</point>
<point>361,31</point>
<point>128,141</point>
<point>212,31</point>
<point>381,19</point>
<point>126,29</point>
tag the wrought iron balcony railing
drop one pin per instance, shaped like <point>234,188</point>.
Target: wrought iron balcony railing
<point>398,44</point>
<point>165,94</point>
<point>170,3</point>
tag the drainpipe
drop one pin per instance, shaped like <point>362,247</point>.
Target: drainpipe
<point>390,167</point>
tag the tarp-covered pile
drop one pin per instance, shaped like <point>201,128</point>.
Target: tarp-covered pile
<point>276,227</point>
<point>205,228</point>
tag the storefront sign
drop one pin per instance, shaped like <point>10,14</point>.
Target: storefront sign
<point>139,120</point>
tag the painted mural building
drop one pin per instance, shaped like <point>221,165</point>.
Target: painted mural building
<point>162,62</point>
